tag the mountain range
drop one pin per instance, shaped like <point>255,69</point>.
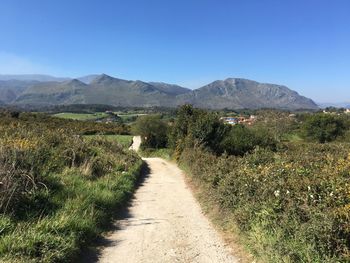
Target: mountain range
<point>232,93</point>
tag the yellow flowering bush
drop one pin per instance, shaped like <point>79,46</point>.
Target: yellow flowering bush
<point>18,143</point>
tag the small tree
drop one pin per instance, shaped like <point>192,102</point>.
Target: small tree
<point>323,127</point>
<point>153,131</point>
<point>197,126</point>
<point>208,131</point>
<point>241,140</point>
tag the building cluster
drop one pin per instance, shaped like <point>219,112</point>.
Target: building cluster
<point>239,120</point>
<point>336,111</point>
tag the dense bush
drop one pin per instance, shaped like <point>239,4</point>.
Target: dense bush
<point>57,189</point>
<point>153,131</point>
<point>240,140</point>
<point>198,127</point>
<point>323,127</point>
<point>292,205</point>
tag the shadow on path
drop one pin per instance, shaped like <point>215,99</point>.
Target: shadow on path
<point>92,253</point>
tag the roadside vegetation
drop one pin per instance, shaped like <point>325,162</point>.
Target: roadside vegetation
<point>281,183</point>
<point>123,140</point>
<point>58,189</point>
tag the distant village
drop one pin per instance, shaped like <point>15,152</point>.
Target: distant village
<point>239,120</point>
<point>331,110</point>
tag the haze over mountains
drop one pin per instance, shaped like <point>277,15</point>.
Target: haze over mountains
<point>232,93</point>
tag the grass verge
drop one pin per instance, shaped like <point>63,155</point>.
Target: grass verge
<point>58,191</point>
<point>164,153</point>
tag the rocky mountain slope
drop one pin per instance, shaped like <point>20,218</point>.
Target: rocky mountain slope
<point>232,93</point>
<point>235,93</point>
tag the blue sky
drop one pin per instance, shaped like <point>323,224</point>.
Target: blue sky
<point>304,44</point>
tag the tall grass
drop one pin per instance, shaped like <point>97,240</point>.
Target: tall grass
<point>57,190</point>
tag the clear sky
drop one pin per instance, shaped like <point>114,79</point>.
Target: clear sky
<point>304,44</point>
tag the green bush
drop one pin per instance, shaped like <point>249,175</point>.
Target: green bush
<point>153,131</point>
<point>240,140</point>
<point>323,127</point>
<point>291,206</point>
<point>195,127</point>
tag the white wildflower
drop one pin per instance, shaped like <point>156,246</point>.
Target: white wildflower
<point>309,188</point>
<point>277,193</point>
<point>287,192</point>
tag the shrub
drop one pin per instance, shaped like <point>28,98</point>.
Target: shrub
<point>240,140</point>
<point>323,127</point>
<point>291,205</point>
<point>153,131</point>
<point>196,126</point>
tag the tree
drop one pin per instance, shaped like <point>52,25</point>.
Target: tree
<point>153,131</point>
<point>240,140</point>
<point>323,127</point>
<point>197,126</point>
<point>208,131</point>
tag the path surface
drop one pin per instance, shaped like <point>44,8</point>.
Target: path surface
<point>164,224</point>
<point>136,142</point>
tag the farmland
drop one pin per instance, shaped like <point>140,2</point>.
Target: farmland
<point>81,116</point>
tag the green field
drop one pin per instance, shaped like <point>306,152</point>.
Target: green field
<point>124,140</point>
<point>130,117</point>
<point>81,116</point>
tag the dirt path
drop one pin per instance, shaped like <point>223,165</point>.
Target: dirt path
<point>136,142</point>
<point>164,224</point>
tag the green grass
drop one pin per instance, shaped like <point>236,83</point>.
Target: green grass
<point>130,117</point>
<point>124,140</point>
<point>61,190</point>
<point>84,208</point>
<point>81,116</point>
<point>164,153</point>
<point>292,137</point>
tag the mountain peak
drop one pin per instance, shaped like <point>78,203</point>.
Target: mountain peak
<point>74,82</point>
<point>238,93</point>
<point>238,80</point>
<point>102,79</point>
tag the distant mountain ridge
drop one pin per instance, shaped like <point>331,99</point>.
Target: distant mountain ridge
<point>232,93</point>
<point>334,104</point>
<point>240,93</point>
<point>32,77</point>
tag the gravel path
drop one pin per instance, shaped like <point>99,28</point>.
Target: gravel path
<point>136,142</point>
<point>164,223</point>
